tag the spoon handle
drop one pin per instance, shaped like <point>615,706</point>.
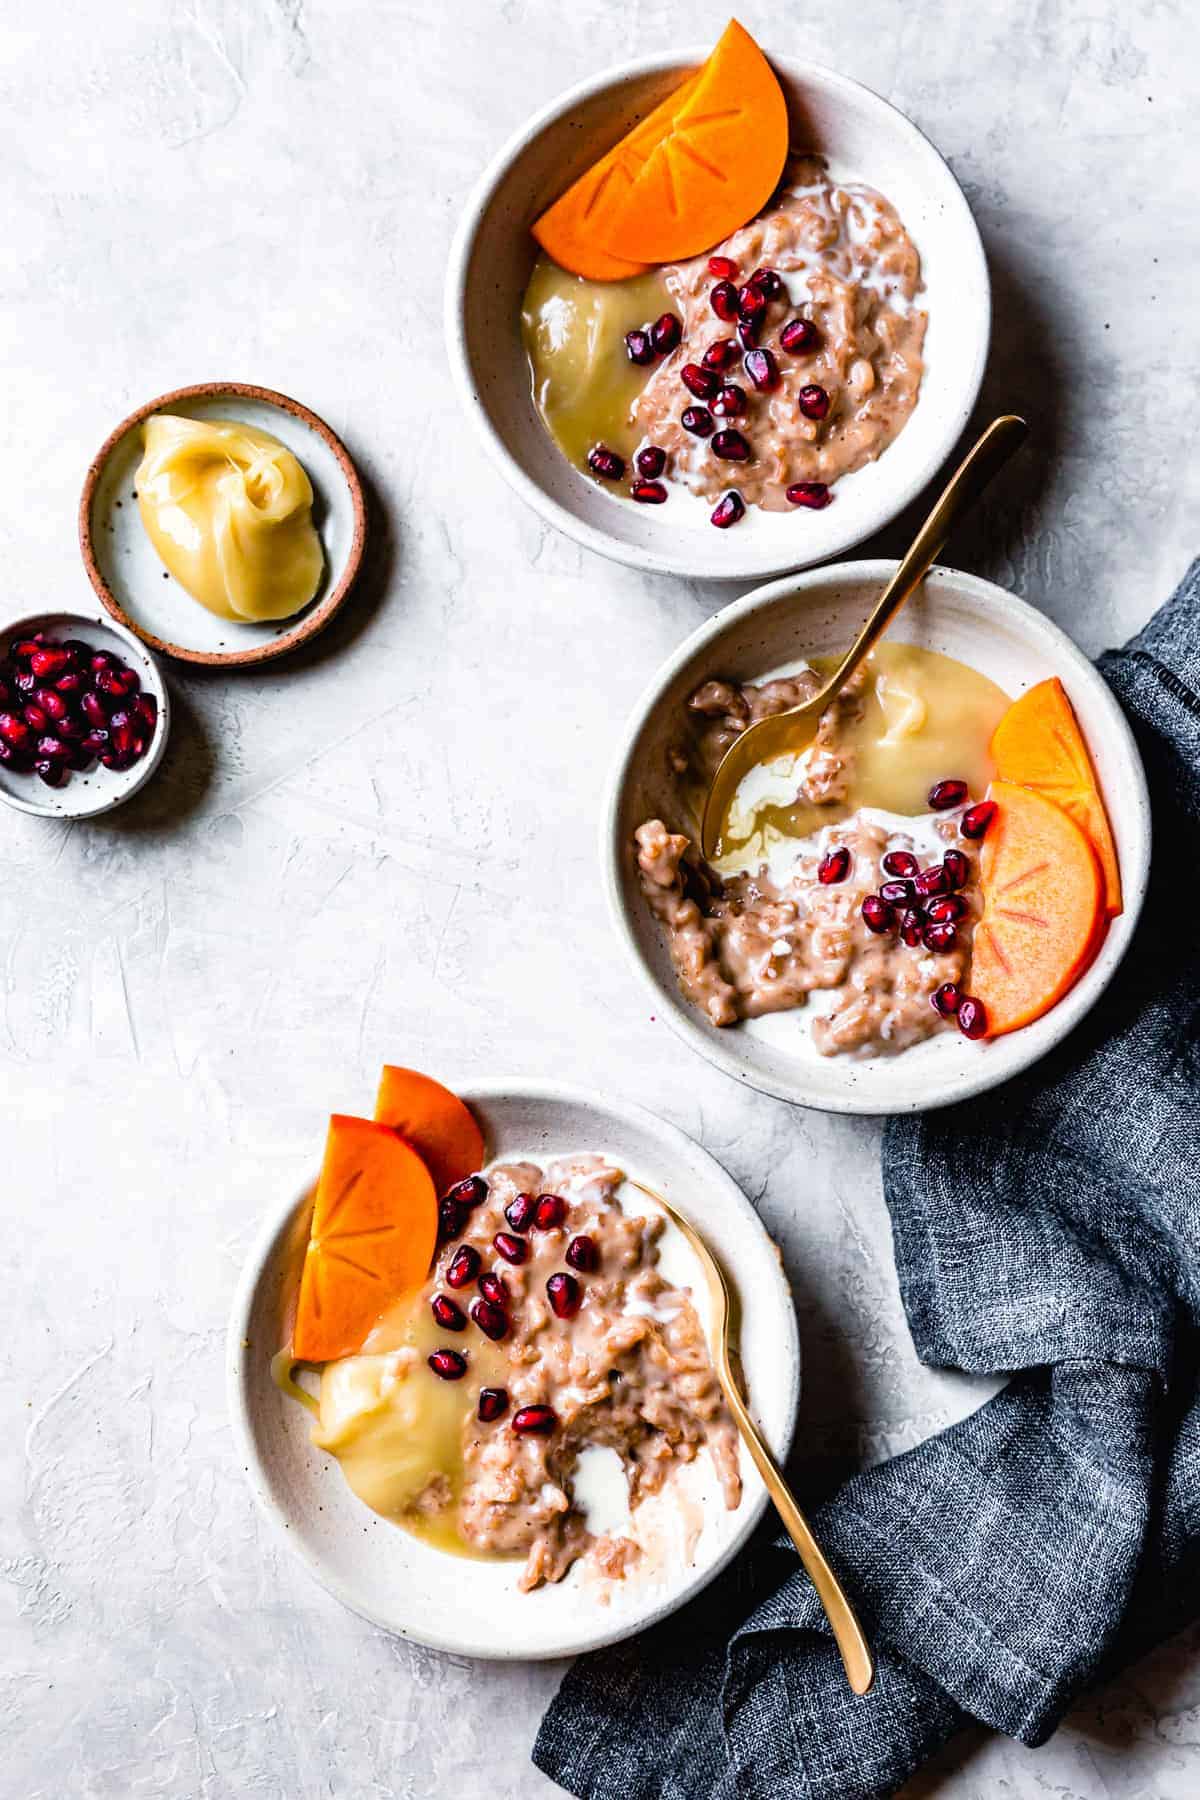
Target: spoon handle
<point>981,463</point>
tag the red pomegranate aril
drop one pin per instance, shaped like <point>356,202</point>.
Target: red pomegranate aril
<point>564,1295</point>
<point>493,1404</point>
<point>813,494</point>
<point>749,331</point>
<point>877,915</point>
<point>900,862</point>
<point>94,709</point>
<point>15,731</point>
<point>534,1421</point>
<point>723,267</point>
<point>701,382</point>
<point>957,868</point>
<point>648,493</point>
<point>71,685</point>
<point>78,651</point>
<point>972,1017</point>
<point>124,739</point>
<point>464,1267</point>
<point>492,1287</point>
<point>25,681</point>
<point>638,348</point>
<point>512,1249</point>
<point>26,649</point>
<point>977,818</point>
<point>946,909</point>
<point>723,299</point>
<point>912,927</point>
<point>768,282</point>
<point>720,355</point>
<point>449,1316</point>
<point>933,881</point>
<point>551,1211</point>
<point>762,370</point>
<point>606,463</point>
<point>941,938</point>
<point>698,420</point>
<point>945,794</point>
<point>731,446</point>
<point>651,462</point>
<point>101,659</point>
<point>19,761</point>
<point>451,1365</point>
<point>451,1217</point>
<point>665,333</point>
<point>797,336</point>
<point>898,893</point>
<point>49,661</point>
<point>95,742</point>
<point>730,508</point>
<point>751,302</point>
<point>834,866</point>
<point>945,999</point>
<point>51,703</point>
<point>582,1254</point>
<point>35,716</point>
<point>491,1320</point>
<point>118,684</point>
<point>471,1191</point>
<point>521,1211</point>
<point>813,401</point>
<point>730,402</point>
<point>52,773</point>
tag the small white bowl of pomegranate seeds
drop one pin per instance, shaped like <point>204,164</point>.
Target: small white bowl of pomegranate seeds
<point>84,715</point>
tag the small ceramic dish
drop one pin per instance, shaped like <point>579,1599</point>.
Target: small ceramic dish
<point>123,565</point>
<point>474,1608</point>
<point>87,794</point>
<point>819,613</point>
<point>865,139</point>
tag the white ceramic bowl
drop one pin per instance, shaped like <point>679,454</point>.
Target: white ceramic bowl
<point>963,617</point>
<point>96,790</point>
<point>474,1608</point>
<point>866,139</point>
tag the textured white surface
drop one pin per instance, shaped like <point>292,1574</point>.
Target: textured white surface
<point>389,847</point>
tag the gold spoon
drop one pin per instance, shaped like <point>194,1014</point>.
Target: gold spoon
<point>847,1632</point>
<point>788,732</point>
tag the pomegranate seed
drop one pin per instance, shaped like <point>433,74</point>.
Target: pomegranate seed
<point>521,1211</point>
<point>939,937</point>
<point>728,510</point>
<point>54,749</point>
<point>94,709</point>
<point>731,446</point>
<point>698,420</point>
<point>51,703</point>
<point>638,348</point>
<point>748,331</point>
<point>701,382</point>
<point>945,1000</point>
<point>730,401</point>
<point>26,649</point>
<point>71,685</point>
<point>78,651</point>
<point>25,681</point>
<point>946,910</point>
<point>606,463</point>
<point>932,881</point>
<point>977,818</point>
<point>551,1211</point>
<point>813,494</point>
<point>957,868</point>
<point>111,759</point>
<point>582,1254</point>
<point>834,866</point>
<point>493,1404</point>
<point>101,659</point>
<point>945,794</point>
<point>451,1217</point>
<point>449,1316</point>
<point>49,661</point>
<point>52,773</point>
<point>648,493</point>
<point>877,915</point>
<point>797,336</point>
<point>751,302</point>
<point>719,355</point>
<point>124,738</point>
<point>768,282</point>
<point>762,369</point>
<point>491,1320</point>
<point>665,333</point>
<point>972,1017</point>
<point>813,401</point>
<point>118,684</point>
<point>492,1287</point>
<point>651,462</point>
<point>14,731</point>
<point>95,743</point>
<point>724,301</point>
<point>71,728</point>
<point>898,893</point>
<point>451,1365</point>
<point>19,761</point>
<point>723,267</point>
<point>912,927</point>
<point>534,1421</point>
<point>565,1296</point>
<point>464,1267</point>
<point>512,1249</point>
<point>471,1191</point>
<point>35,717</point>
<point>900,862</point>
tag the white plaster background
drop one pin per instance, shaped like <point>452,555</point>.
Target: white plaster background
<point>386,849</point>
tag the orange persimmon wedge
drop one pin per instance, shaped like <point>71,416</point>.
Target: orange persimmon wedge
<point>1038,744</point>
<point>1043,908</point>
<point>571,230</point>
<point>714,168</point>
<point>372,1238</point>
<point>434,1121</point>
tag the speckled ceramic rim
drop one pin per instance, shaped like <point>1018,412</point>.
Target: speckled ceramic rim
<point>722,1046</point>
<point>312,622</point>
<point>675,1143</point>
<point>911,478</point>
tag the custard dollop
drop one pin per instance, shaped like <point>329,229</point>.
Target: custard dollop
<point>229,510</point>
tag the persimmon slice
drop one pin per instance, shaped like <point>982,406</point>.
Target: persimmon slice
<point>434,1121</point>
<point>714,168</point>
<point>1043,905</point>
<point>1038,744</point>
<point>372,1238</point>
<point>571,231</point>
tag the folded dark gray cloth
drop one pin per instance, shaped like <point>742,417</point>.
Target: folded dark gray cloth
<point>1050,1230</point>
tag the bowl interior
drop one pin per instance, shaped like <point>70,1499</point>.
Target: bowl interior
<point>866,140</point>
<point>474,1608</point>
<point>962,617</point>
<point>151,599</point>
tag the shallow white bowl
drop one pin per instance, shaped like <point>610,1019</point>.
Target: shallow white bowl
<point>865,139</point>
<point>963,617</point>
<point>96,790</point>
<point>471,1607</point>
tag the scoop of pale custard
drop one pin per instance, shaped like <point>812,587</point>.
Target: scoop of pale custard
<point>229,510</point>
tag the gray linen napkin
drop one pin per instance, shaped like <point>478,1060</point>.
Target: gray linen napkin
<point>1050,1230</point>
